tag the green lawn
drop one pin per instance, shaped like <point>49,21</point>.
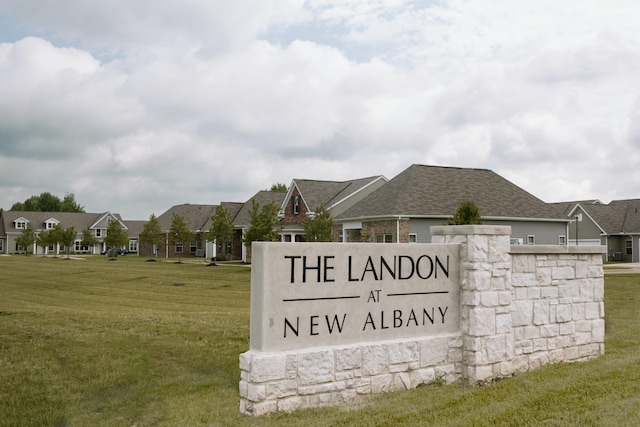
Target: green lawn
<point>94,342</point>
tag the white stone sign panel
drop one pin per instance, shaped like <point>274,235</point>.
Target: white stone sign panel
<point>323,294</point>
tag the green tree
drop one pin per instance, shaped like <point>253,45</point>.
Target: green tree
<point>55,236</point>
<point>26,239</point>
<point>179,233</point>
<point>88,239</point>
<point>263,222</point>
<point>221,230</point>
<point>68,238</point>
<point>320,227</point>
<point>467,213</point>
<point>280,187</point>
<point>47,202</point>
<point>69,204</point>
<point>116,235</point>
<point>152,233</point>
<point>44,240</point>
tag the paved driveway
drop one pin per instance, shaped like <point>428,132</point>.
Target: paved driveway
<point>623,268</point>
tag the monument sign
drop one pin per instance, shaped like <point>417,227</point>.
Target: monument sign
<point>319,294</point>
<point>336,322</point>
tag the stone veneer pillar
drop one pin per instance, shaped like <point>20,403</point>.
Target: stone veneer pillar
<point>485,298</point>
<point>524,306</point>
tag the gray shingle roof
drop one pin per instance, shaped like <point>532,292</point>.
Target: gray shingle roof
<point>422,190</point>
<point>80,221</point>
<point>327,193</point>
<point>232,208</point>
<point>195,216</point>
<point>243,219</point>
<point>617,217</point>
<point>631,223</point>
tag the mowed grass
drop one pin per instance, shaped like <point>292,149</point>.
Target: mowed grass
<point>94,342</point>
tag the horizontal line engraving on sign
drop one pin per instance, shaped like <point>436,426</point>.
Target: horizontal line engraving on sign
<point>417,293</point>
<point>319,298</point>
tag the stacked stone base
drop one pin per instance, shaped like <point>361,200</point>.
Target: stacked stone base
<point>329,376</point>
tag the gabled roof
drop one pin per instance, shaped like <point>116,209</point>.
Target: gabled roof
<point>79,221</point>
<point>422,190</point>
<point>232,208</point>
<point>328,193</point>
<point>610,219</point>
<point>134,228</point>
<point>107,217</point>
<point>617,217</point>
<point>567,207</point>
<point>243,219</point>
<point>195,216</point>
<point>631,222</point>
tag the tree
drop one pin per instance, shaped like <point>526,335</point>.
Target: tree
<point>26,239</point>
<point>320,227</point>
<point>467,213</point>
<point>279,187</point>
<point>263,222</point>
<point>44,240</point>
<point>179,233</point>
<point>69,204</point>
<point>221,230</point>
<point>116,236</point>
<point>55,235</point>
<point>88,239</point>
<point>47,202</point>
<point>68,238</point>
<point>152,233</point>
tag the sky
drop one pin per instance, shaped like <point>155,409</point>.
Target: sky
<point>137,106</point>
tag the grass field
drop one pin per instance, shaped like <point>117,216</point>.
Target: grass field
<point>94,342</point>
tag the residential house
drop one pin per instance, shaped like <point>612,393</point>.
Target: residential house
<point>218,250</point>
<point>305,196</point>
<point>242,221</point>
<point>13,223</point>
<point>404,209</point>
<point>196,218</point>
<point>615,225</point>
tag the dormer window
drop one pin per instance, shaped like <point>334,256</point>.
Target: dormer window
<point>21,224</point>
<point>51,223</point>
<point>296,204</point>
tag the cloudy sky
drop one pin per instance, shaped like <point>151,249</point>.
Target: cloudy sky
<point>136,106</point>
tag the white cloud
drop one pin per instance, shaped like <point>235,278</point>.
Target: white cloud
<point>136,106</point>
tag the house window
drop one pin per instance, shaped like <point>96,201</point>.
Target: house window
<point>629,247</point>
<point>562,240</point>
<point>79,247</point>
<point>192,246</point>
<point>133,246</point>
<point>531,239</point>
<point>296,204</point>
<point>413,238</point>
<point>98,232</point>
<point>1,245</point>
<point>383,238</point>
<point>178,248</point>
<point>21,225</point>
